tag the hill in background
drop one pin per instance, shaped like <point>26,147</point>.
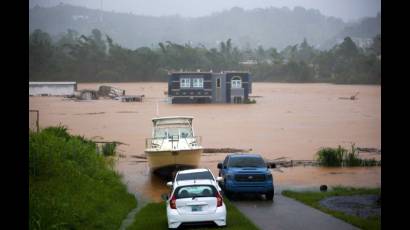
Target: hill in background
<point>270,27</point>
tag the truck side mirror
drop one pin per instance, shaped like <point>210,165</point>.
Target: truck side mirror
<point>271,165</point>
<point>219,166</point>
<point>169,183</point>
<point>220,179</point>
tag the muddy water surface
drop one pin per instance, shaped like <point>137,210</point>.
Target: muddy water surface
<point>288,120</point>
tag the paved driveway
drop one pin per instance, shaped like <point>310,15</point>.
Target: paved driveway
<point>287,214</point>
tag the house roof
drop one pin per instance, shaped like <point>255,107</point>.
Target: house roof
<point>199,73</point>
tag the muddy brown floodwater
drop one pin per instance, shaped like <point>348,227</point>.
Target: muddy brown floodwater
<point>288,120</point>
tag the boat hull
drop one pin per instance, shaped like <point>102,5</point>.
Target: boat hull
<point>166,162</point>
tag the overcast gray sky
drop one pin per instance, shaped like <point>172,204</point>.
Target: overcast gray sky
<point>345,9</point>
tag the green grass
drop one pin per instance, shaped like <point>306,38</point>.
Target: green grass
<point>249,101</point>
<point>313,198</point>
<point>108,149</point>
<point>71,186</point>
<point>153,216</point>
<point>336,157</point>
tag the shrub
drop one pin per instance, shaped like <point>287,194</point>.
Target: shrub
<point>331,156</point>
<point>71,186</point>
<point>249,101</point>
<point>108,149</point>
<point>341,157</point>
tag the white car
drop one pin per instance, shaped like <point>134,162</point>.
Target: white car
<point>195,202</point>
<point>191,174</point>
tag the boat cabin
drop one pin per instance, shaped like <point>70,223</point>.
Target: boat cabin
<point>172,127</point>
<point>172,133</point>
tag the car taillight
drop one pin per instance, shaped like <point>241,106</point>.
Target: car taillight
<point>219,200</point>
<point>173,202</point>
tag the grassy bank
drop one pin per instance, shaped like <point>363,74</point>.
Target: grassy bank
<point>313,198</point>
<point>153,216</point>
<point>342,157</point>
<point>71,186</point>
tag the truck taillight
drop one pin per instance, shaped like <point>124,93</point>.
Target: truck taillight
<point>219,200</point>
<point>173,202</point>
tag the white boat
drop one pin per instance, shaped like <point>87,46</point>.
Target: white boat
<point>173,145</point>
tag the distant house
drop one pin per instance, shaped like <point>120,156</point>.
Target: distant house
<point>208,87</point>
<point>52,88</point>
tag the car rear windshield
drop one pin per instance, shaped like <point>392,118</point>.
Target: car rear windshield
<point>241,162</point>
<point>195,176</point>
<point>192,191</point>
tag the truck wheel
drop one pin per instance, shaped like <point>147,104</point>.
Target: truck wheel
<point>269,195</point>
<point>228,194</point>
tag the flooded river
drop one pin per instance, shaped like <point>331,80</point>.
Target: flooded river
<point>288,120</point>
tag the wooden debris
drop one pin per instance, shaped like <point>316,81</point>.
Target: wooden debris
<point>139,156</point>
<point>86,94</point>
<point>113,142</point>
<point>224,150</point>
<point>132,98</point>
<point>369,150</point>
<point>109,91</point>
<point>291,163</point>
<point>354,97</point>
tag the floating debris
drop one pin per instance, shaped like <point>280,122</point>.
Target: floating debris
<point>139,156</point>
<point>369,150</point>
<point>224,150</point>
<point>131,98</point>
<point>109,91</point>
<point>96,113</point>
<point>291,163</point>
<point>354,97</point>
<point>127,112</point>
<point>86,94</point>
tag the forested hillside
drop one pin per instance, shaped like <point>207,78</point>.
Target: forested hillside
<point>96,57</point>
<point>270,27</point>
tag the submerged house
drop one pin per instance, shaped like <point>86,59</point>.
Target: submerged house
<point>208,87</point>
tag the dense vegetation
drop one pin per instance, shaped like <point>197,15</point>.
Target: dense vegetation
<point>71,186</point>
<point>154,216</point>
<point>313,198</point>
<point>97,58</point>
<point>336,157</point>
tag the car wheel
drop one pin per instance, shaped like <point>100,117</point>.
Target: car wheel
<point>269,195</point>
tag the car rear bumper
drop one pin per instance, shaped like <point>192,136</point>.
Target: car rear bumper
<point>175,219</point>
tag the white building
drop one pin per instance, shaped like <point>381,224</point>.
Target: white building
<point>52,88</point>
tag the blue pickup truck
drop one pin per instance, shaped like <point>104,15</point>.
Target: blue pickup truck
<point>246,173</point>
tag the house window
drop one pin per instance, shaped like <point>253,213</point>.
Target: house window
<point>218,83</point>
<point>198,83</point>
<point>236,82</point>
<point>185,82</point>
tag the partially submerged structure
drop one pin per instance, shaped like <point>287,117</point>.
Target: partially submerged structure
<point>109,91</point>
<point>208,87</point>
<point>52,88</point>
<point>87,94</point>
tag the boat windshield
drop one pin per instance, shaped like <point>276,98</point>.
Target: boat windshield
<point>180,132</point>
